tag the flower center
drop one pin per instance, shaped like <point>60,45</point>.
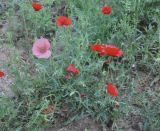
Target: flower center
<point>42,50</point>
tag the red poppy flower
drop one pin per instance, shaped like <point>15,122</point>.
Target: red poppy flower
<point>37,6</point>
<point>63,21</point>
<point>97,47</point>
<point>106,9</point>
<point>110,50</point>
<point>72,69</point>
<point>2,74</point>
<point>112,90</point>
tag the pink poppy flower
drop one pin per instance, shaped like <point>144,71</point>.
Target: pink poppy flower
<point>41,48</point>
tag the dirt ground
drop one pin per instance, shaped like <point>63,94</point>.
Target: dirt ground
<point>87,124</point>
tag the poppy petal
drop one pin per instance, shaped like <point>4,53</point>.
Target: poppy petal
<point>112,90</point>
<point>37,6</point>
<point>106,9</point>
<point>63,21</point>
<point>97,47</point>
<point>41,48</point>
<point>72,69</point>
<point>104,50</point>
<point>68,22</point>
<point>112,50</point>
<point>2,74</point>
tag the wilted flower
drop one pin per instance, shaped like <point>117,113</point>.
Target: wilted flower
<point>116,105</point>
<point>83,95</point>
<point>67,77</point>
<point>41,48</point>
<point>48,110</point>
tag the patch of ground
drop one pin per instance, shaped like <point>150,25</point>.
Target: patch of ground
<point>5,82</point>
<point>3,27</point>
<point>86,124</point>
<point>130,123</point>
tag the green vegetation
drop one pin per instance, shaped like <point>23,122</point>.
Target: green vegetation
<point>132,26</point>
